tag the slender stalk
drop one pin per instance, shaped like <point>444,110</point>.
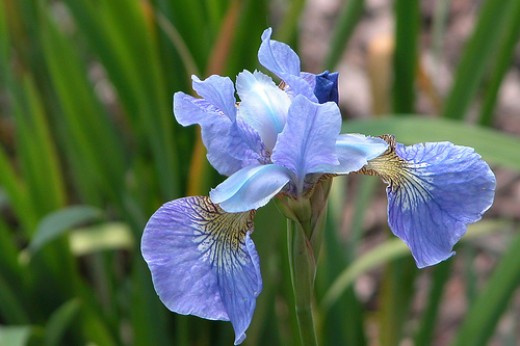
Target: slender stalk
<point>303,268</point>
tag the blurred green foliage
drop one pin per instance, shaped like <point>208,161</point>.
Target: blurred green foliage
<point>89,150</point>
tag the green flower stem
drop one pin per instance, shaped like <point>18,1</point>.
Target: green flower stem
<point>305,224</point>
<point>303,268</point>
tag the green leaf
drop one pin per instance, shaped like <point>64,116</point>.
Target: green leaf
<point>12,307</point>
<point>14,335</point>
<point>59,321</point>
<point>344,28</point>
<point>36,150</point>
<point>484,313</point>
<point>405,55</point>
<point>503,61</point>
<point>391,250</point>
<point>494,146</point>
<point>59,222</point>
<point>106,236</point>
<point>479,50</point>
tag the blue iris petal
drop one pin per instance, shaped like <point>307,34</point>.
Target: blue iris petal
<point>442,188</point>
<point>263,105</point>
<point>215,130</point>
<point>218,91</point>
<point>203,261</point>
<point>250,188</point>
<point>326,88</point>
<point>281,60</point>
<point>354,151</point>
<point>278,57</point>
<point>308,141</point>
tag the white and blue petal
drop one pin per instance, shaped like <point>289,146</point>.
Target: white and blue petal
<point>354,151</point>
<point>250,188</point>
<point>308,141</point>
<point>263,105</point>
<point>435,191</point>
<point>203,261</point>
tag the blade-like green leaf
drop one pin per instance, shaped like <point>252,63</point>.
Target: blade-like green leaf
<point>36,151</point>
<point>14,335</point>
<point>59,321</point>
<point>88,136</point>
<point>495,147</point>
<point>61,221</point>
<point>106,236</point>
<point>392,249</point>
<point>405,56</point>
<point>12,307</point>
<point>502,64</point>
<point>349,17</point>
<point>479,49</point>
<point>426,330</point>
<point>484,313</point>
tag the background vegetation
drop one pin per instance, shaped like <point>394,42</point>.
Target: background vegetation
<point>90,149</point>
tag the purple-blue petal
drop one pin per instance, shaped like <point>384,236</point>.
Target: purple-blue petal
<point>218,91</point>
<point>250,188</point>
<point>281,60</point>
<point>308,141</point>
<point>245,144</point>
<point>278,57</point>
<point>203,261</point>
<point>326,87</point>
<point>442,189</point>
<point>216,139</point>
<point>215,127</point>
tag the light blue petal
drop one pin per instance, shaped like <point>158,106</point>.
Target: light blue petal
<point>308,141</point>
<point>189,110</point>
<point>250,188</point>
<point>278,57</point>
<point>263,105</point>
<point>354,151</point>
<point>203,261</point>
<point>441,189</point>
<point>218,91</point>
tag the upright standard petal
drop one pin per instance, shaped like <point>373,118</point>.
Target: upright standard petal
<point>203,261</point>
<point>278,57</point>
<point>281,60</point>
<point>308,141</point>
<point>263,105</point>
<point>435,190</point>
<point>250,188</point>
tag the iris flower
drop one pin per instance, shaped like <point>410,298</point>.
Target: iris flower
<point>280,140</point>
